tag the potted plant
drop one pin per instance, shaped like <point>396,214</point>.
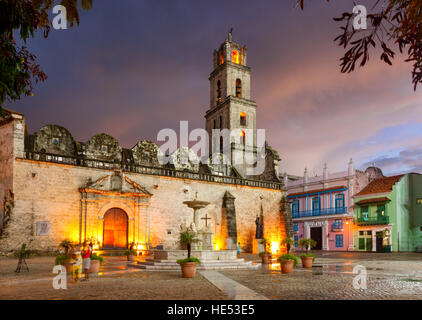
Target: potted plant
<point>307,258</point>
<point>188,265</point>
<point>265,255</point>
<point>288,242</point>
<point>130,254</point>
<point>64,259</point>
<point>288,262</point>
<point>96,261</point>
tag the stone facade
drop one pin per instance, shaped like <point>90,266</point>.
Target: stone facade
<point>53,187</point>
<point>50,192</point>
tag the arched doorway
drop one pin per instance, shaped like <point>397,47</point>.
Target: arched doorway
<point>115,229</point>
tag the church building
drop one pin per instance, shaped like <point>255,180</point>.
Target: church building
<point>53,187</point>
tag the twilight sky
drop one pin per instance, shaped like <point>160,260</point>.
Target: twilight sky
<point>134,67</point>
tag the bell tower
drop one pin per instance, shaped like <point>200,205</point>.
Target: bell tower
<point>231,106</point>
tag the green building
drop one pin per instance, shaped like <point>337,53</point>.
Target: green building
<point>388,215</point>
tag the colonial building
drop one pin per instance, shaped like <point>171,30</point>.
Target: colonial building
<point>388,214</point>
<point>53,187</point>
<point>322,206</point>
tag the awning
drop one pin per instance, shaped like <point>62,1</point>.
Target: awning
<point>373,200</point>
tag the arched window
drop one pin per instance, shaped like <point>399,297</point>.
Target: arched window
<point>243,138</point>
<point>235,57</point>
<point>214,126</point>
<point>221,58</point>
<point>221,122</point>
<point>218,91</point>
<point>243,119</point>
<point>221,145</point>
<point>238,88</point>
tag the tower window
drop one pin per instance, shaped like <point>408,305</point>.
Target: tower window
<point>243,138</point>
<point>214,126</point>
<point>235,57</point>
<point>238,88</point>
<point>221,122</point>
<point>221,58</point>
<point>243,119</point>
<point>218,91</point>
<point>221,145</point>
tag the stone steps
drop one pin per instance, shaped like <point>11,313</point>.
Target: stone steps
<point>174,261</point>
<point>151,264</point>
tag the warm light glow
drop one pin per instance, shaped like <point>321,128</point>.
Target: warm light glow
<point>275,247</point>
<point>347,222</point>
<point>235,57</point>
<point>216,247</point>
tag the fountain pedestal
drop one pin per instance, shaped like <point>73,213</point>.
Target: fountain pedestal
<point>207,239</point>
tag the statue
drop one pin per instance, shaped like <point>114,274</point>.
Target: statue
<point>259,233</point>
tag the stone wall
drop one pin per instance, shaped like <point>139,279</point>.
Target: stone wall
<point>6,165</point>
<point>47,192</point>
<point>12,134</point>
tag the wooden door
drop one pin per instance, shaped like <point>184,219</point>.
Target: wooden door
<point>115,229</point>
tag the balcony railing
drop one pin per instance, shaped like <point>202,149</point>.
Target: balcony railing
<point>366,221</point>
<point>319,212</point>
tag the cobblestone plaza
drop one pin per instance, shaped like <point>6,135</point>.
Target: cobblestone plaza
<point>389,276</point>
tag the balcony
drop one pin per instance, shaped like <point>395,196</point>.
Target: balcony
<point>370,221</point>
<point>319,212</point>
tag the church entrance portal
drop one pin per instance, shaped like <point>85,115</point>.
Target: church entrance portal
<point>115,229</point>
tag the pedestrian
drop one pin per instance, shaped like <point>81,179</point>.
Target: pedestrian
<point>239,249</point>
<point>86,256</point>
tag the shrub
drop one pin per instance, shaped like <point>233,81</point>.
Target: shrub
<point>66,245</point>
<point>97,257</point>
<point>307,255</point>
<point>130,252</point>
<point>289,242</point>
<point>263,252</point>
<point>288,256</point>
<point>307,244</point>
<point>187,238</point>
<point>190,259</point>
<point>62,259</point>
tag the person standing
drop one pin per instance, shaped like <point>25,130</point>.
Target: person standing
<point>86,256</point>
<point>239,249</point>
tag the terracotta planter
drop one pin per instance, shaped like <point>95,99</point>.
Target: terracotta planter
<point>188,269</point>
<point>131,257</point>
<point>265,258</point>
<point>95,266</point>
<point>287,266</point>
<point>307,262</point>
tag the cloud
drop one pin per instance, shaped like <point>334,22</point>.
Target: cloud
<point>408,160</point>
<point>134,68</point>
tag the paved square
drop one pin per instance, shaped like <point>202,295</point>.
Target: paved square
<point>390,276</point>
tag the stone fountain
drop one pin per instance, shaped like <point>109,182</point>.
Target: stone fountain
<point>210,259</point>
<point>204,234</point>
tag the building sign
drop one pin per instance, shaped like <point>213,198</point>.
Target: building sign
<point>43,228</point>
